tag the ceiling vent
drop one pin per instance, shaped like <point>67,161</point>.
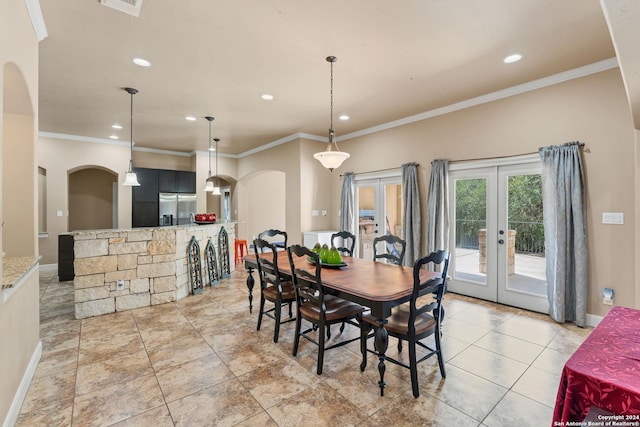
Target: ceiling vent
<point>131,7</point>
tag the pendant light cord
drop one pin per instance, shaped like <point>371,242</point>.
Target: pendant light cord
<point>331,92</point>
<point>131,135</point>
<point>216,141</point>
<point>209,148</point>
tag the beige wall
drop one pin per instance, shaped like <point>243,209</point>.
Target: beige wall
<point>283,158</point>
<point>154,160</point>
<point>91,199</point>
<point>265,192</point>
<point>19,316</point>
<point>315,189</point>
<point>593,110</point>
<point>19,193</point>
<point>61,157</point>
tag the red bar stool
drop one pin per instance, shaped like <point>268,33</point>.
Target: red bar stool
<point>241,249</point>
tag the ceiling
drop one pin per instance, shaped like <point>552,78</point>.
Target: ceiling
<point>213,57</point>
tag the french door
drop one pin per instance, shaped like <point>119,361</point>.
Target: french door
<point>497,235</point>
<point>379,204</point>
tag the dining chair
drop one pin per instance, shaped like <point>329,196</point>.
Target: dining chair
<point>315,305</point>
<point>395,248</point>
<point>276,237</point>
<point>272,287</point>
<point>420,318</point>
<point>348,242</point>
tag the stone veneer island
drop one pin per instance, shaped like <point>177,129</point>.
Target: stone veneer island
<point>151,261</point>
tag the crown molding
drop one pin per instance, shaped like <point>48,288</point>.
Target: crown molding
<point>281,141</point>
<point>80,138</point>
<point>37,20</point>
<point>575,73</point>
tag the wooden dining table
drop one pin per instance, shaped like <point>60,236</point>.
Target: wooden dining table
<point>376,285</point>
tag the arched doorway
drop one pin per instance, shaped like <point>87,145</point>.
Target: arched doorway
<point>92,199</point>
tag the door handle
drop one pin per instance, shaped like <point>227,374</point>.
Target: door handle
<point>501,241</point>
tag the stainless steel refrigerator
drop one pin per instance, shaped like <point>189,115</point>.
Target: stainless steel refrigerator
<point>176,208</point>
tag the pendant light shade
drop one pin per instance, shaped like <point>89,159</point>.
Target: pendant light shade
<point>332,157</point>
<point>131,179</point>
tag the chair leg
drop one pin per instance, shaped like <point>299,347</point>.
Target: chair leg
<point>399,345</point>
<point>414,368</point>
<point>321,327</point>
<point>342,327</point>
<point>439,350</point>
<point>261,313</point>
<point>278,314</point>
<point>290,312</point>
<point>329,332</point>
<point>364,332</point>
<point>296,340</point>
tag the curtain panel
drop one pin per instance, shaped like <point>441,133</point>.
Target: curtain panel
<point>437,233</point>
<point>565,231</point>
<point>347,203</point>
<point>412,230</point>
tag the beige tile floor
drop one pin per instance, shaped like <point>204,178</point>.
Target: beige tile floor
<point>200,361</point>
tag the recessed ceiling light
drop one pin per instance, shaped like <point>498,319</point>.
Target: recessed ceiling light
<point>191,118</point>
<point>267,97</point>
<point>141,62</point>
<point>512,58</point>
<point>344,117</point>
<point>116,126</point>
<point>114,137</point>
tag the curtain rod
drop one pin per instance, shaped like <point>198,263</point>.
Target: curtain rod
<point>580,144</point>
<point>379,170</point>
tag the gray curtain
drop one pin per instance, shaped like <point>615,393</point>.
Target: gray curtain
<point>565,231</point>
<point>412,212</point>
<point>347,203</point>
<point>438,207</point>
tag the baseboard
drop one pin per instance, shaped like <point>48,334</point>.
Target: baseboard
<point>49,267</point>
<point>593,320</point>
<point>21,393</point>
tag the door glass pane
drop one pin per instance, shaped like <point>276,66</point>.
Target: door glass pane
<point>471,230</point>
<point>525,253</point>
<point>367,227</point>
<point>393,209</point>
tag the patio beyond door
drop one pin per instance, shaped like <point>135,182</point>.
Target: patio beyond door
<point>379,203</point>
<point>497,235</point>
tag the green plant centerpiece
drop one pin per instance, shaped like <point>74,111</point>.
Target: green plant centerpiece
<point>324,253</point>
<point>334,256</point>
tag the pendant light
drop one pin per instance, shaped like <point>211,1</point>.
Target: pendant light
<point>332,157</point>
<point>209,184</point>
<point>131,178</point>
<point>216,188</point>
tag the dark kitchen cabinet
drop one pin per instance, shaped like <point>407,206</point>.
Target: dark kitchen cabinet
<point>148,189</point>
<point>145,206</point>
<point>167,181</point>
<point>65,257</point>
<point>145,214</point>
<point>186,182</point>
<point>144,199</point>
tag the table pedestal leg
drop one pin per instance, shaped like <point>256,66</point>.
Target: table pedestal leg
<point>381,343</point>
<point>250,283</point>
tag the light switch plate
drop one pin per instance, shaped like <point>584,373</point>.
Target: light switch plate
<point>612,218</point>
<point>314,213</point>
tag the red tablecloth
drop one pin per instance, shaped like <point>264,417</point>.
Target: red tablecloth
<point>604,371</point>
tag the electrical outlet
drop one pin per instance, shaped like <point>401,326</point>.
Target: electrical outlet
<point>607,296</point>
<point>120,285</point>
